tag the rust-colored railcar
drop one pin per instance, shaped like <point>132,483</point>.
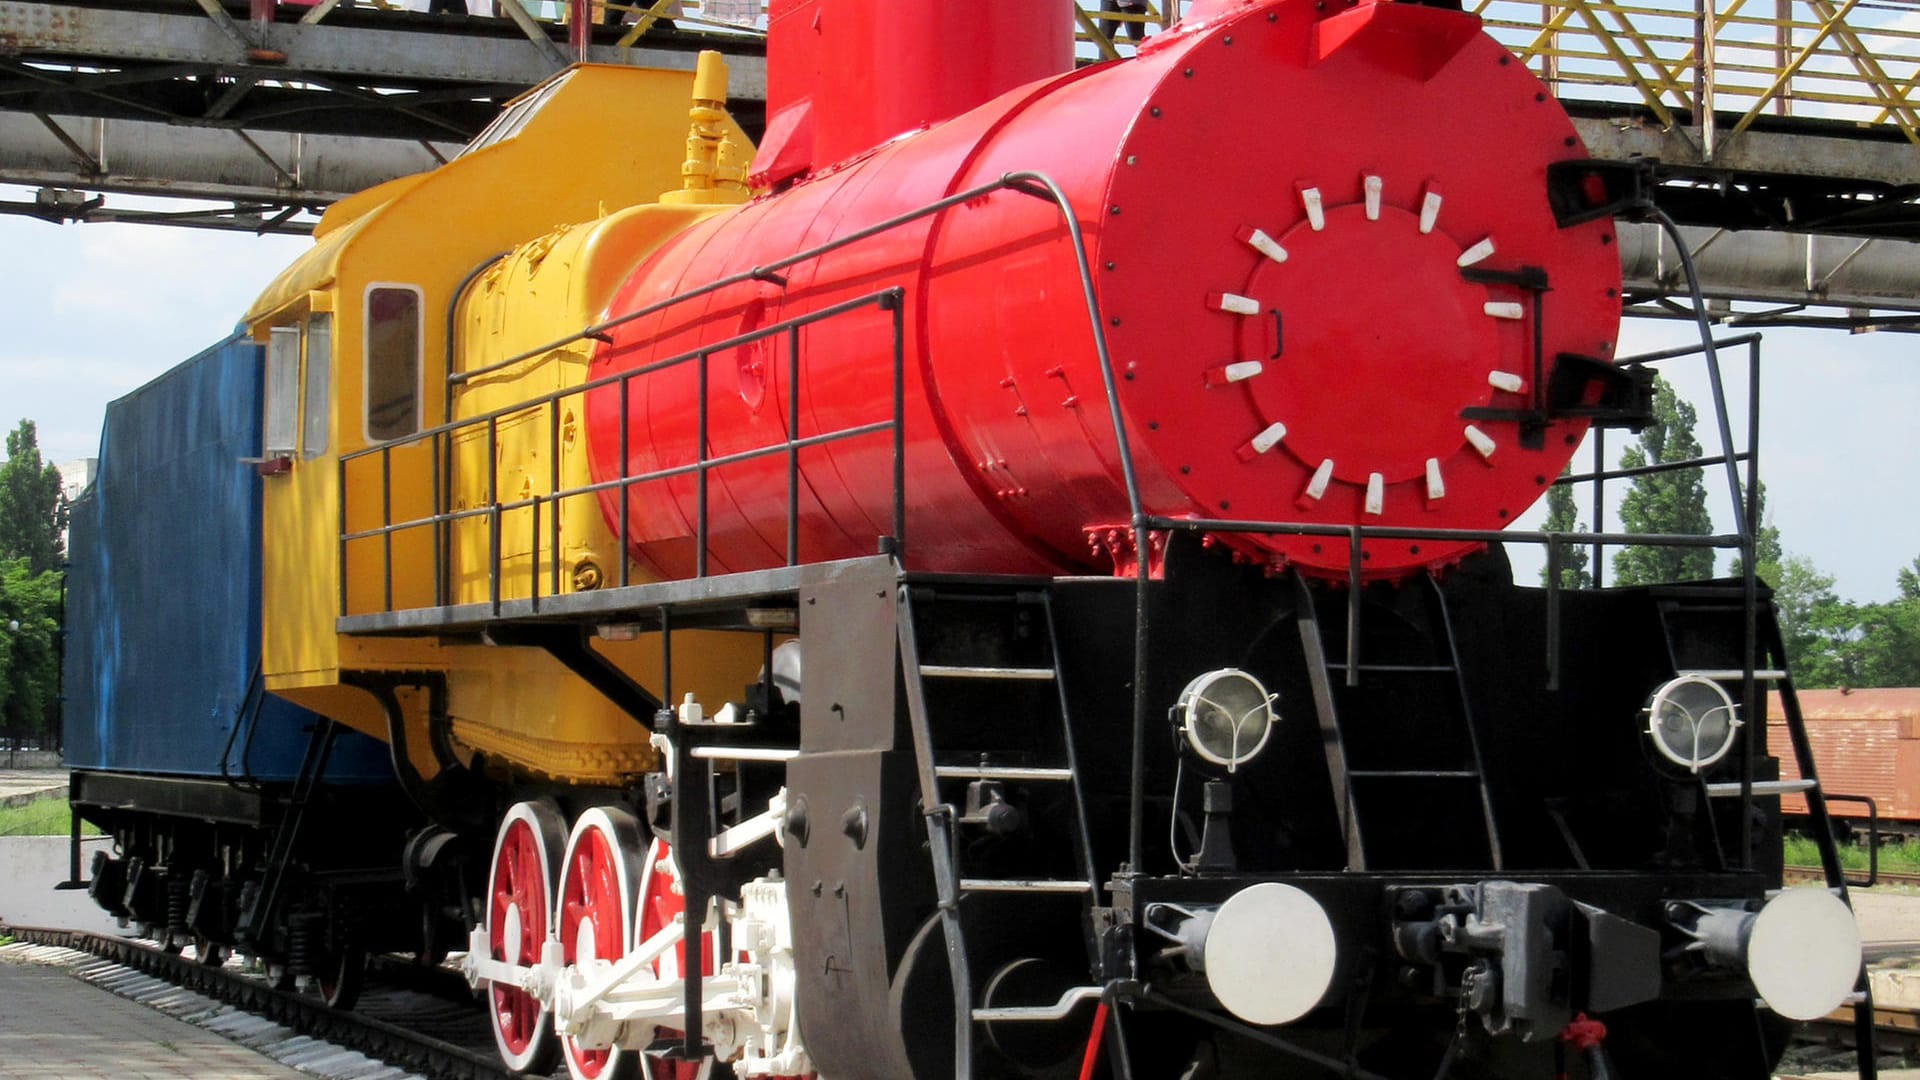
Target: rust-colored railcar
<point>1867,743</point>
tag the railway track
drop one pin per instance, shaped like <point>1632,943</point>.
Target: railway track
<point>1801,875</point>
<point>408,1023</point>
<point>417,1021</point>
<point>1896,1036</point>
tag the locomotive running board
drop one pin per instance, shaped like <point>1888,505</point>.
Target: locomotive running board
<point>722,596</point>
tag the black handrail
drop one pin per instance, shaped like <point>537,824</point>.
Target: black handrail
<point>1032,184</point>
<point>885,299</point>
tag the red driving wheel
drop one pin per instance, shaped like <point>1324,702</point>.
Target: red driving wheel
<point>519,892</point>
<point>595,920</point>
<point>660,905</point>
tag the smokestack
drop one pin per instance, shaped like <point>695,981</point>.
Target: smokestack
<point>844,76</point>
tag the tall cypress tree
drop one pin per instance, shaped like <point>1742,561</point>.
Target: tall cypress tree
<point>1561,518</point>
<point>32,513</point>
<point>1673,502</point>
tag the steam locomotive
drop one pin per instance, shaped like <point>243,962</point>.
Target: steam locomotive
<point>1005,573</point>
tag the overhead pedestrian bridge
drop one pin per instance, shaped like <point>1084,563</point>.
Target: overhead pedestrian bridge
<point>1785,134</point>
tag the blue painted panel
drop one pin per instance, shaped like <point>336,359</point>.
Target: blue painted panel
<point>163,596</point>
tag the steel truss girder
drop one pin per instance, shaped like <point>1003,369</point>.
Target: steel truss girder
<point>146,157</point>
<point>411,52</point>
<point>1775,267</point>
<point>59,208</point>
<point>191,95</point>
<point>1813,150</point>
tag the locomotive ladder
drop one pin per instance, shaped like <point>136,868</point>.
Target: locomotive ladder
<point>1673,617</point>
<point>1422,745</point>
<point>937,765</point>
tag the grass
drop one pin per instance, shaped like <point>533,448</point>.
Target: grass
<point>50,816</point>
<point>1900,856</point>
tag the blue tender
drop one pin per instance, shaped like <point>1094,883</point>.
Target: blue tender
<point>163,595</point>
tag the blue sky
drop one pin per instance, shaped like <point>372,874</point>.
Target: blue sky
<point>92,311</point>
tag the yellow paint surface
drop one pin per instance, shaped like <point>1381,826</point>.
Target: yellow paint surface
<point>592,138</point>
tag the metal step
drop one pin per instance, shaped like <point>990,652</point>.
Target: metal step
<point>1415,774</point>
<point>1736,675</point>
<point>1041,1013</point>
<point>1762,787</point>
<point>1001,772</point>
<point>955,671</point>
<point>1034,885</point>
<point>743,753</point>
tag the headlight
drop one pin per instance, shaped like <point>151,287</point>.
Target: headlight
<point>1226,716</point>
<point>1691,722</point>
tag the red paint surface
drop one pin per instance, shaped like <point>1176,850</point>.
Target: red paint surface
<point>868,70</point>
<point>1166,159</point>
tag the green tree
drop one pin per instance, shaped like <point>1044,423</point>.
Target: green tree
<point>1562,518</point>
<point>29,651</point>
<point>32,513</point>
<point>1890,635</point>
<point>1672,502</point>
<point>1822,632</point>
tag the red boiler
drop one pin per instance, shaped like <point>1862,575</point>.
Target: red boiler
<point>1308,224</point>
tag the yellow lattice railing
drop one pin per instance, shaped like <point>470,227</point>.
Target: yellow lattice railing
<point>1849,60</point>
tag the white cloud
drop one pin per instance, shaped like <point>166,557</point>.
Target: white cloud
<point>92,311</point>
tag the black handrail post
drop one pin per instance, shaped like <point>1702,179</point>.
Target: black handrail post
<point>493,513</point>
<point>553,489</point>
<point>666,661</point>
<point>624,490</point>
<point>386,522</point>
<point>1039,185</point>
<point>1750,593</point>
<point>793,454</point>
<point>1553,613</point>
<point>1137,766</point>
<point>1599,498</point>
<point>439,527</point>
<point>340,492</point>
<point>1353,605</point>
<point>533,561</point>
<point>700,477</point>
<point>896,300</point>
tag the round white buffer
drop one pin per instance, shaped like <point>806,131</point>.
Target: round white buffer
<point>1270,954</point>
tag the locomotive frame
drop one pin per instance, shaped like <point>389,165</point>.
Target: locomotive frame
<point>753,602</point>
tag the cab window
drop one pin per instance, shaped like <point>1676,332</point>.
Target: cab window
<point>313,401</point>
<point>394,337</point>
<point>283,391</point>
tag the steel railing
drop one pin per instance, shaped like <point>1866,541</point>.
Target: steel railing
<point>494,511</point>
<point>440,438</point>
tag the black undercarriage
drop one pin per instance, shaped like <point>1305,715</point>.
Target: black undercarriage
<point>1469,799</point>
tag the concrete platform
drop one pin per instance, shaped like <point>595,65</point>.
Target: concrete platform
<point>109,1021</point>
<point>56,1025</point>
<point>30,867</point>
<point>19,786</point>
<point>1890,937</point>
